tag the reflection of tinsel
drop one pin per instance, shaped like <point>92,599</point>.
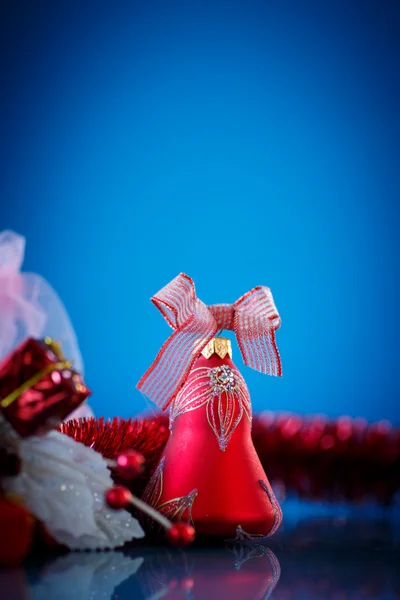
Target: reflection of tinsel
<point>345,459</point>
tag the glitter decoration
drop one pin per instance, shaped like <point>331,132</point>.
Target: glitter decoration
<point>266,486</point>
<point>176,509</point>
<point>179,509</point>
<point>254,539</point>
<point>154,488</point>
<point>225,394</point>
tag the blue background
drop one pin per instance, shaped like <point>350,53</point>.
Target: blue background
<point>243,143</point>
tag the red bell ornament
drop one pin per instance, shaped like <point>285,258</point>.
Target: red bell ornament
<point>210,474</point>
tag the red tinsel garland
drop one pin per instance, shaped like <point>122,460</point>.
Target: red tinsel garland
<point>110,438</point>
<point>345,459</point>
<point>330,460</point>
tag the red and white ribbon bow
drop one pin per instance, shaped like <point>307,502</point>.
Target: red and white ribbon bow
<point>254,319</point>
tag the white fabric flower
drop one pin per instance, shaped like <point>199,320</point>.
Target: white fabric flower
<point>62,483</point>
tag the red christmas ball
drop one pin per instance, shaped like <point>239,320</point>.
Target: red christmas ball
<point>130,464</point>
<point>118,497</point>
<point>181,534</point>
<point>17,527</point>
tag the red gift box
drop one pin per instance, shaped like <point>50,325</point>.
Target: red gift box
<point>38,387</point>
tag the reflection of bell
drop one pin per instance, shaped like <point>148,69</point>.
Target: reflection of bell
<point>210,472</point>
<point>251,574</point>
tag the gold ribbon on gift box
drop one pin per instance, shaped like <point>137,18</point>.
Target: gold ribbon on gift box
<point>61,364</point>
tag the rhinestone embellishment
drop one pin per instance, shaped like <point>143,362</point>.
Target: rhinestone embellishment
<point>222,379</point>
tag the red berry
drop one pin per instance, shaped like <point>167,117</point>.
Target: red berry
<point>130,464</point>
<point>17,529</point>
<point>181,534</point>
<point>118,497</point>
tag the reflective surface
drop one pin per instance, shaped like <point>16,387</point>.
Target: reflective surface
<point>327,557</point>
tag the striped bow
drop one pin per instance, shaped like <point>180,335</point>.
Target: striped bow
<point>254,319</point>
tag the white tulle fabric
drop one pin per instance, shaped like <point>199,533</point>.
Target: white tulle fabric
<point>62,483</point>
<point>29,307</point>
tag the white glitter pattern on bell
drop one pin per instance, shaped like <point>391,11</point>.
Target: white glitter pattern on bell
<point>223,393</point>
